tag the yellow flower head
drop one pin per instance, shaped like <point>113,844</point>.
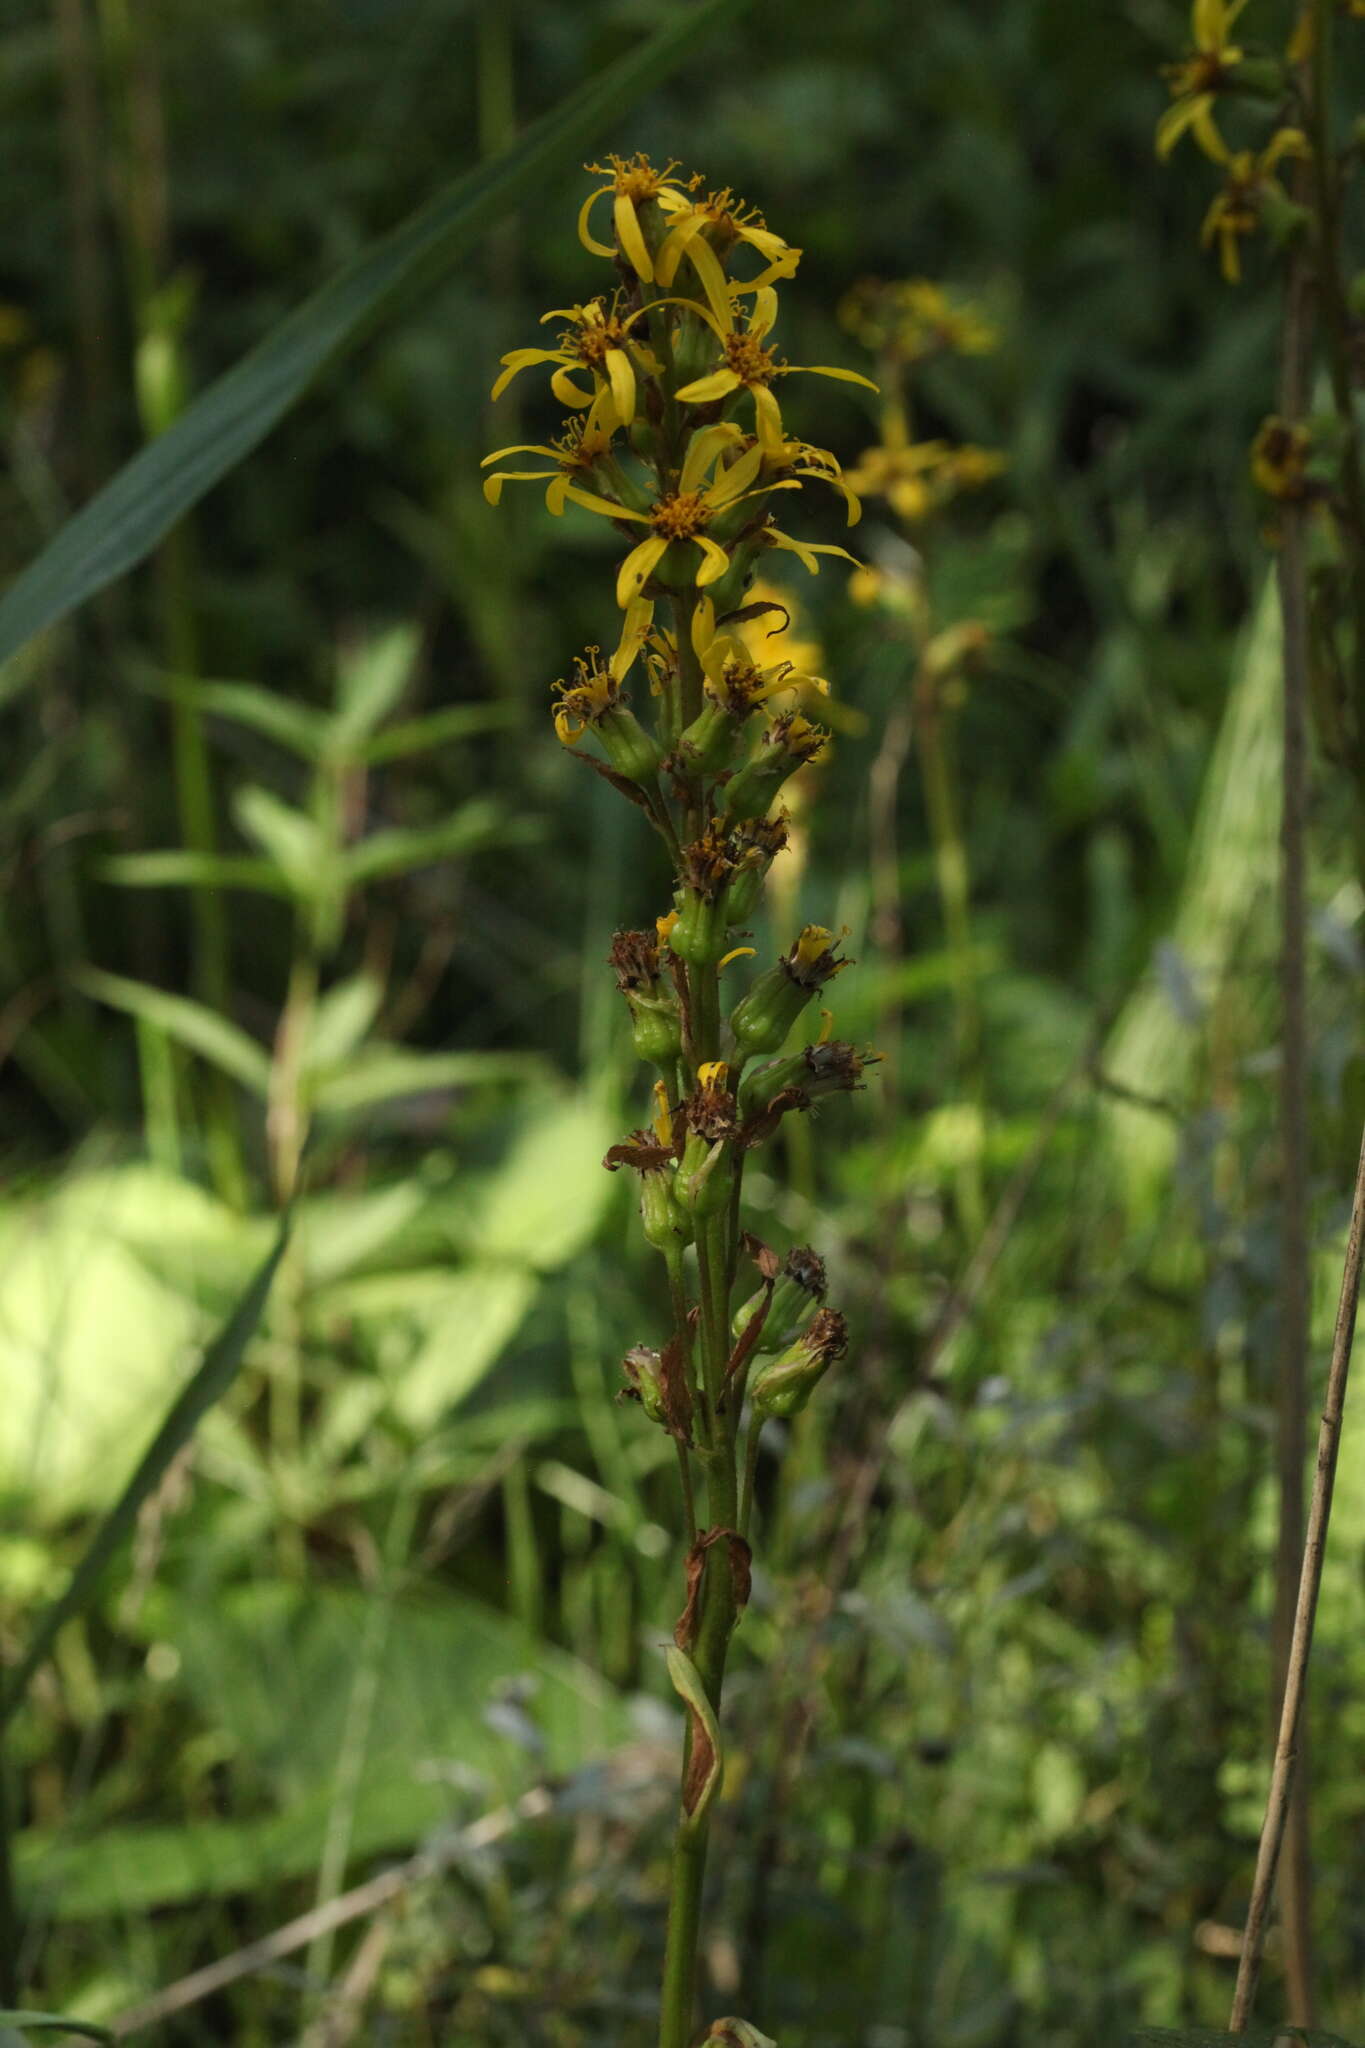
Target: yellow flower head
<point>640,196</point>
<point>1279,460</point>
<point>594,691</point>
<point>1198,78</point>
<point>815,958</point>
<point>914,318</point>
<point>1249,182</point>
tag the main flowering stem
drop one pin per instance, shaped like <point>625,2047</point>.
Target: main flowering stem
<point>676,437</point>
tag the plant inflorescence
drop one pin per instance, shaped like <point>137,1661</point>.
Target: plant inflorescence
<point>670,379</point>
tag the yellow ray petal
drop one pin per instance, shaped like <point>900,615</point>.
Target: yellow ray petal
<point>621,375</point>
<point>521,448</point>
<point>590,502</point>
<point>734,481</point>
<point>629,235</point>
<point>781,267</point>
<point>585,236</point>
<point>764,313</point>
<point>638,567</point>
<point>702,450</point>
<point>715,562</point>
<point>828,370</point>
<point>569,393</point>
<point>768,417</point>
<point>521,359</point>
<point>717,384</point>
<point>806,551</point>
<point>672,247</point>
<point>492,485</point>
<point>639,617</point>
<point>706,263</point>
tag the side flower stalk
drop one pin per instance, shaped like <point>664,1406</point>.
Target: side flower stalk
<point>670,380</point>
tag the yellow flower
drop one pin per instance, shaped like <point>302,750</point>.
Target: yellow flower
<point>705,231</point>
<point>681,515</point>
<point>1197,79</point>
<point>1279,460</point>
<point>576,454</point>
<point>634,185</point>
<point>914,318</point>
<point>734,678</point>
<point>915,477</point>
<point>596,339</point>
<point>1249,181</point>
<point>751,366</point>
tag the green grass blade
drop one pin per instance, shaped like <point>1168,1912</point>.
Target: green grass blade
<point>124,521</point>
<point>52,2023</point>
<point>207,1386</point>
<point>216,1039</point>
<point>179,868</point>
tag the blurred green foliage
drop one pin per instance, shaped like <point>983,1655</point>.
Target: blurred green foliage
<point>998,1732</point>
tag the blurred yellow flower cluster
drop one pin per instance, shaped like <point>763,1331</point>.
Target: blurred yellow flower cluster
<point>1251,195</point>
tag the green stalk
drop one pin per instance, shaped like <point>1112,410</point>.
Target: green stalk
<point>1336,327</point>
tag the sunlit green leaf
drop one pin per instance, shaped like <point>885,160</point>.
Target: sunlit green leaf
<point>210,1381</point>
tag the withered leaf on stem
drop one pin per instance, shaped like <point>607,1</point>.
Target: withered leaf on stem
<point>741,1579</point>
<point>674,1388</point>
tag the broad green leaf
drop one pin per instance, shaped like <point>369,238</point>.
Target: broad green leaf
<point>214,1038</point>
<point>341,1020</point>
<point>466,1330</point>
<point>545,1199</point>
<point>183,868</point>
<point>436,729</point>
<point>124,521</point>
<point>388,1073</point>
<point>289,837</point>
<point>406,847</point>
<point>53,2023</point>
<point>208,1384</point>
<point>337,1232</point>
<point>104,1289</point>
<point>370,680</point>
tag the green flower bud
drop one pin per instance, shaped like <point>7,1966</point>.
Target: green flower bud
<point>628,746</point>
<point>643,1369</point>
<point>699,935</point>
<point>706,1170</point>
<point>762,1019</point>
<point>800,1288</point>
<point>655,1016</point>
<point>1259,78</point>
<point>788,742</point>
<point>826,1069</point>
<point>784,1386</point>
<point>704,1177</point>
<point>709,742</point>
<point>666,1224</point>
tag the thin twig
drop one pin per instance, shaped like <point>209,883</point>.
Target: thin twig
<point>339,1912</point>
<point>1310,1581</point>
<point>1291,1387</point>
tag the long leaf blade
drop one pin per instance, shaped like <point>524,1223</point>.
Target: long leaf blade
<point>124,521</point>
<point>54,2023</point>
<point>216,1039</point>
<point>206,1387</point>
